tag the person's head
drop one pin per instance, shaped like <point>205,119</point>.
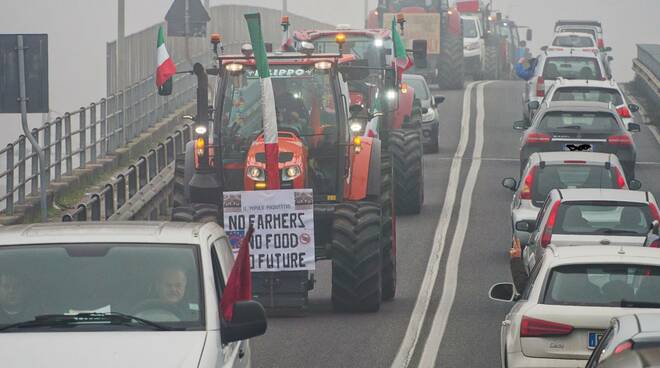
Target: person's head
<point>171,285</point>
<point>12,289</point>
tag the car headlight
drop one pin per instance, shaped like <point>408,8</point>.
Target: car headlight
<point>471,46</point>
<point>256,173</point>
<point>429,116</point>
<point>291,172</point>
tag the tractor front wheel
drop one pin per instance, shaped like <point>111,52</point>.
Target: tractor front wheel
<point>356,257</point>
<point>407,150</point>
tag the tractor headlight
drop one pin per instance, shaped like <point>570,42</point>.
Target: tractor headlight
<point>200,130</point>
<point>390,94</point>
<point>256,173</point>
<point>356,126</point>
<point>291,172</point>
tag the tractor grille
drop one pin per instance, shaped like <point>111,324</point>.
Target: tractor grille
<point>284,157</point>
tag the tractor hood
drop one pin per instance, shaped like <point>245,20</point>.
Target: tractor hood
<point>292,150</point>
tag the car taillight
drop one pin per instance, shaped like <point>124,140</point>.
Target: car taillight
<point>533,327</point>
<point>537,138</point>
<point>546,237</point>
<point>626,345</point>
<point>655,244</point>
<point>620,180</point>
<point>623,111</point>
<point>540,87</point>
<point>654,211</point>
<point>528,184</point>
<point>623,140</point>
<point>601,43</point>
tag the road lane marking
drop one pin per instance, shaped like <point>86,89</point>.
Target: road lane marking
<point>407,347</point>
<point>441,317</point>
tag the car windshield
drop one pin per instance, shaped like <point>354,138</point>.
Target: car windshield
<point>365,48</point>
<point>603,218</point>
<point>604,285</point>
<point>573,41</point>
<point>470,28</point>
<point>421,90</point>
<point>158,283</point>
<point>583,121</point>
<point>570,176</point>
<point>572,67</point>
<point>588,94</point>
<point>304,103</point>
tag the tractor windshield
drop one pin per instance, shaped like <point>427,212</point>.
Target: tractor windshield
<point>397,5</point>
<point>304,103</point>
<point>374,50</point>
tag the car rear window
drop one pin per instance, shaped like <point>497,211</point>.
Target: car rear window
<point>570,176</point>
<point>573,41</point>
<point>594,94</point>
<point>604,285</point>
<point>580,30</point>
<point>579,121</point>
<point>572,67</point>
<point>419,86</point>
<point>603,218</point>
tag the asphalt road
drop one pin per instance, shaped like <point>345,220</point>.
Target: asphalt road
<point>448,256</point>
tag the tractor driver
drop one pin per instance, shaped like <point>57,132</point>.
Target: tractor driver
<point>290,109</point>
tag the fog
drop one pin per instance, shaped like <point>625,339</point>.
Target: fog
<point>79,29</point>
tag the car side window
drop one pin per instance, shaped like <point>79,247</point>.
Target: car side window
<point>532,278</point>
<point>218,277</point>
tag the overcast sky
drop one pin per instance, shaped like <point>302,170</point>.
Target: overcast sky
<point>79,29</point>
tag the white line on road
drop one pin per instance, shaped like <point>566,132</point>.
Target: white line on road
<point>432,346</point>
<point>407,348</point>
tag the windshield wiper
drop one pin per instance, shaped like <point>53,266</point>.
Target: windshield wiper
<point>617,231</point>
<point>634,304</point>
<point>50,320</point>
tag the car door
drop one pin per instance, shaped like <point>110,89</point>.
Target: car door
<point>235,354</point>
<point>532,248</point>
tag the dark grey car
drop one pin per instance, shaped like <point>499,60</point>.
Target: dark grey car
<point>429,104</point>
<point>579,126</point>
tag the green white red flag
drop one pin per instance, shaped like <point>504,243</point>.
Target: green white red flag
<point>401,59</point>
<point>166,68</point>
<point>269,116</point>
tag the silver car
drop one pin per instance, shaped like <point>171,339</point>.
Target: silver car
<point>632,341</point>
<point>548,170</point>
<point>430,117</point>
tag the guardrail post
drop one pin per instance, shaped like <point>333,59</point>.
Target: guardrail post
<point>21,168</point>
<point>9,208</point>
<point>67,144</point>
<point>81,213</point>
<point>108,200</point>
<point>143,173</point>
<point>132,180</point>
<point>58,148</point>
<point>122,118</point>
<point>104,126</point>
<point>178,142</point>
<point>152,164</point>
<point>92,132</point>
<point>169,149</point>
<point>160,150</point>
<point>35,165</point>
<point>95,203</point>
<point>47,147</point>
<point>121,189</point>
<point>83,137</point>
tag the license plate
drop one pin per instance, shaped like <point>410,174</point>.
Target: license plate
<point>579,147</point>
<point>594,339</point>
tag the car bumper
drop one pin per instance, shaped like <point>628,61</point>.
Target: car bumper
<point>430,132</point>
<point>627,157</point>
<point>518,360</point>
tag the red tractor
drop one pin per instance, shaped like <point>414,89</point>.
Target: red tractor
<point>400,126</point>
<point>433,27</point>
<point>354,221</point>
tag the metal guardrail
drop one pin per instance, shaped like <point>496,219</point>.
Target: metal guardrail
<point>647,70</point>
<point>117,199</point>
<point>79,138</point>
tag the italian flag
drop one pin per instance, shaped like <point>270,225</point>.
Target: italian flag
<point>269,117</point>
<point>166,68</point>
<point>401,59</point>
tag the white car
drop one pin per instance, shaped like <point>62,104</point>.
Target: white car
<point>573,39</point>
<point>113,294</point>
<point>559,62</point>
<point>570,298</point>
<point>594,28</point>
<point>590,90</point>
<point>474,47</point>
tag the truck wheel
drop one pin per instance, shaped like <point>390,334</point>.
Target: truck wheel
<point>406,148</point>
<point>492,66</point>
<point>356,257</point>
<point>197,212</point>
<point>179,178</point>
<point>388,231</point>
<point>451,65</point>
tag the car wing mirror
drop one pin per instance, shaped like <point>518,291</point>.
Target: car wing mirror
<point>425,110</point>
<point>634,184</point>
<point>633,107</point>
<point>509,183</point>
<point>439,99</point>
<point>533,105</point>
<point>655,227</point>
<point>526,225</point>
<point>249,320</point>
<point>634,127</point>
<point>520,125</point>
<point>503,292</point>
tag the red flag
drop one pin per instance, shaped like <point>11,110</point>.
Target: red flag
<point>239,284</point>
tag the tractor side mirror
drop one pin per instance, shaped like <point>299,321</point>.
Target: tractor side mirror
<point>419,52</point>
<point>633,107</point>
<point>528,36</point>
<point>355,109</point>
<point>438,99</point>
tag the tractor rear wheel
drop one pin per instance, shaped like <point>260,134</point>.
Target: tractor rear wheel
<point>388,231</point>
<point>356,257</point>
<point>407,151</point>
<point>179,178</point>
<point>197,212</point>
<point>451,69</point>
<point>492,62</point>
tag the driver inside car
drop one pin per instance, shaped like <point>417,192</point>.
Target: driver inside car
<point>169,304</point>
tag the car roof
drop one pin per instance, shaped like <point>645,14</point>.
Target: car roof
<point>583,52</point>
<point>577,22</point>
<point>105,232</point>
<point>593,106</point>
<point>558,157</point>
<point>578,34</point>
<point>649,322</point>
<point>414,76</point>
<point>602,194</point>
<point>603,254</point>
<point>563,82</point>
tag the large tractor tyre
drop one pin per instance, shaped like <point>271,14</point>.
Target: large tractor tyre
<point>197,212</point>
<point>407,151</point>
<point>492,67</point>
<point>388,232</point>
<point>451,68</point>
<point>356,257</point>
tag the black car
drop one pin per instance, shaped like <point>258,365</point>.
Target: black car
<point>579,126</point>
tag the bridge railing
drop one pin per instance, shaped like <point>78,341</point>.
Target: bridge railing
<point>647,72</point>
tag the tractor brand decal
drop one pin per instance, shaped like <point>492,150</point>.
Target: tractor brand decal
<point>282,72</point>
<point>283,223</point>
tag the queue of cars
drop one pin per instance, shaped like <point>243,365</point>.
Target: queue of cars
<point>585,237</point>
